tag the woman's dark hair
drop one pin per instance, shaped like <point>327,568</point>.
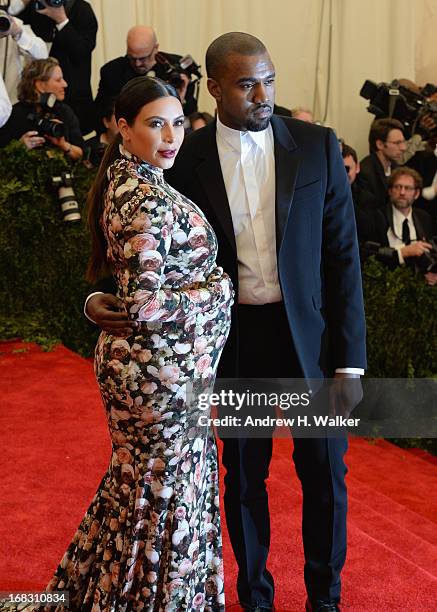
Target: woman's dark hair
<point>135,94</point>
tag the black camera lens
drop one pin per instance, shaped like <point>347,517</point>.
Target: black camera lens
<point>5,24</point>
<point>53,3</point>
<point>48,127</point>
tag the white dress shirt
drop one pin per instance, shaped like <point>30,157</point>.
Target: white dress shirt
<point>5,103</point>
<point>248,166</point>
<point>15,52</point>
<point>395,238</point>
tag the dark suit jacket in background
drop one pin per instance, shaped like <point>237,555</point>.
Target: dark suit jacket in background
<point>117,72</point>
<point>72,47</point>
<point>374,226</point>
<point>372,178</point>
<point>425,162</point>
<point>317,250</point>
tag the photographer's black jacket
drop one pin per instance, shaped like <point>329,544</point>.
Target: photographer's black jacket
<point>372,178</point>
<point>72,47</point>
<point>118,72</point>
<point>19,123</point>
<point>373,227</point>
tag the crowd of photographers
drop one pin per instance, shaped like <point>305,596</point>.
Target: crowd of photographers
<point>395,186</point>
<point>47,101</point>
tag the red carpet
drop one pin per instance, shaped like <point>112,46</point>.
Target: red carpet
<point>55,449</point>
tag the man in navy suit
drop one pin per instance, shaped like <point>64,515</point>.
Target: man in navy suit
<point>276,192</point>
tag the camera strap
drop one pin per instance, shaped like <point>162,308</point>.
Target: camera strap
<point>5,58</point>
<point>393,95</point>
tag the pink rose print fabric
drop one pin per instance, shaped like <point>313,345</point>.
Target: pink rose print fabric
<point>151,538</point>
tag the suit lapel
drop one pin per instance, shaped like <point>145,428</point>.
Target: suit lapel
<point>389,217</point>
<point>210,176</point>
<point>286,168</point>
<point>421,233</point>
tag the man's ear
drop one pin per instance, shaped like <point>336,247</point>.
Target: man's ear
<point>379,144</point>
<point>358,169</point>
<point>214,89</point>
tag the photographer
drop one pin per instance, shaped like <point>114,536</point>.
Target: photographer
<point>96,146</point>
<point>34,121</point>
<point>71,28</point>
<point>17,44</point>
<point>387,146</point>
<point>141,58</point>
<point>400,234</point>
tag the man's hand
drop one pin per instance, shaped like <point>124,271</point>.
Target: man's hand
<point>431,278</point>
<point>16,28</point>
<point>32,139</point>
<point>345,393</point>
<point>415,249</point>
<point>58,14</point>
<point>109,313</point>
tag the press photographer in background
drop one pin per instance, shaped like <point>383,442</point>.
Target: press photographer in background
<point>400,234</point>
<point>144,58</point>
<point>70,26</point>
<point>39,118</point>
<point>95,147</point>
<point>18,44</point>
<point>415,108</point>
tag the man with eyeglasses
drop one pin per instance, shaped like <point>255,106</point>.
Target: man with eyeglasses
<point>402,231</point>
<point>387,146</point>
<point>141,50</point>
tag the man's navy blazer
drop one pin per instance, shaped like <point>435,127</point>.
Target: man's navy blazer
<point>317,250</point>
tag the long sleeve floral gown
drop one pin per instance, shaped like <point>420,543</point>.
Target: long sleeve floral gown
<point>151,538</point>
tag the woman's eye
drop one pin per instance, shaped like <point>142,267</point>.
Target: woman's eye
<point>179,123</point>
<point>155,124</point>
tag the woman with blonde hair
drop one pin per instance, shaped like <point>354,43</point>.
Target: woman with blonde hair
<point>41,116</point>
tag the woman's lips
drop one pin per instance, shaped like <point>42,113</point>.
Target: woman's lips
<point>169,154</point>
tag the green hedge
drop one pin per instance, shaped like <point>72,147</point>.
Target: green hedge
<point>401,317</point>
<point>43,260</point>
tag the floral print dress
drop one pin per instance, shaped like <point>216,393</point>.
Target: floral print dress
<point>151,538</point>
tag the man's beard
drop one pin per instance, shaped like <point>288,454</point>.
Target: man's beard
<point>402,204</point>
<point>258,125</point>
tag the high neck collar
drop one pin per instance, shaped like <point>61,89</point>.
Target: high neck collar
<point>145,167</point>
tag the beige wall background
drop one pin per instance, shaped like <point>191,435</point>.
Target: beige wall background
<point>323,50</point>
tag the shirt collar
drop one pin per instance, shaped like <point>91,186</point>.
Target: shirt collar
<point>399,218</point>
<point>234,138</point>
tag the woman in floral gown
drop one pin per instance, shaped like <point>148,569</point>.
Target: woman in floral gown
<point>151,538</point>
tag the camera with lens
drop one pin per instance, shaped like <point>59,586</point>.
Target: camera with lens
<point>46,121</point>
<point>172,72</point>
<point>398,101</point>
<point>39,6</point>
<point>428,261</point>
<point>5,19</point>
<point>422,265</point>
<point>67,197</point>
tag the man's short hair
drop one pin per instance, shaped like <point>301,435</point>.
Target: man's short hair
<point>380,129</point>
<point>405,171</point>
<point>348,151</point>
<point>227,44</point>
